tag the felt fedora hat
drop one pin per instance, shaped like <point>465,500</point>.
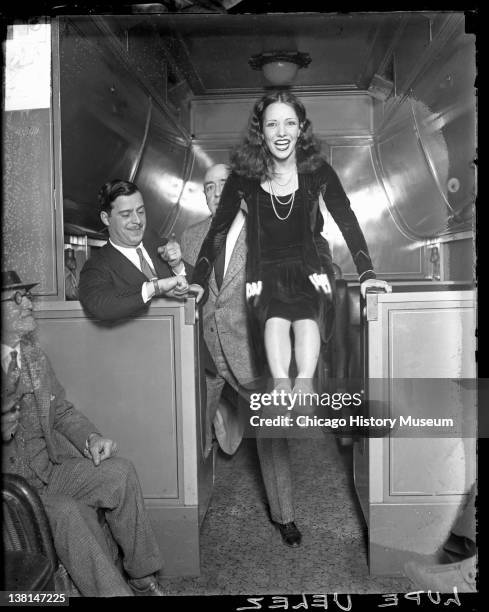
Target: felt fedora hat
<point>11,280</point>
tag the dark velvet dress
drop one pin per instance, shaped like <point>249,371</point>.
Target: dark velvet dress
<point>282,254</point>
<point>287,291</point>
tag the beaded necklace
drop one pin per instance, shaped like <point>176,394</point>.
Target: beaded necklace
<point>290,202</point>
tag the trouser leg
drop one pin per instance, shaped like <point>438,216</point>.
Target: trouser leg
<point>80,547</point>
<point>229,423</point>
<point>275,468</point>
<point>113,486</point>
<point>214,385</point>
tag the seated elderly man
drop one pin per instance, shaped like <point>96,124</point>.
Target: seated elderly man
<point>36,417</point>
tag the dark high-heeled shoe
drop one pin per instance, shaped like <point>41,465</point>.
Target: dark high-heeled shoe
<point>291,536</point>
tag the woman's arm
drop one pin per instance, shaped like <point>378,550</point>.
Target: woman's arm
<point>216,236</point>
<point>338,205</point>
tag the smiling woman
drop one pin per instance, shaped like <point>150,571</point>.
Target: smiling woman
<point>279,173</point>
<point>281,130</point>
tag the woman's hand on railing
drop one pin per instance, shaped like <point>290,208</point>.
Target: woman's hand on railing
<point>253,291</point>
<point>321,283</point>
<point>375,283</point>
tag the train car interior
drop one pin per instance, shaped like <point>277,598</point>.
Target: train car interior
<point>155,94</point>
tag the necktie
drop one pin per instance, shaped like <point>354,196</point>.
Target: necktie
<point>13,373</point>
<point>145,267</point>
<point>219,266</point>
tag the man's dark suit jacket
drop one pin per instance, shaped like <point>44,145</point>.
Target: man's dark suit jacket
<point>110,285</point>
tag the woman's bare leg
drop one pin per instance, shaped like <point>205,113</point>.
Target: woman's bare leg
<point>307,343</point>
<point>278,348</point>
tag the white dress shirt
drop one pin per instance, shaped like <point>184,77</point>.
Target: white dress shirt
<point>232,237</point>
<point>6,350</point>
<point>147,289</point>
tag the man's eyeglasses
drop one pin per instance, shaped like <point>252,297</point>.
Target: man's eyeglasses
<point>18,296</point>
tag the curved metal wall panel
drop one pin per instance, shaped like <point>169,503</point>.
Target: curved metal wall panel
<point>394,254</point>
<point>449,91</point>
<point>102,124</point>
<point>427,149</point>
<point>111,128</point>
<point>413,194</point>
<point>161,177</point>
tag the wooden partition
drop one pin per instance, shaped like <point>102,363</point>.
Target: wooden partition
<point>139,381</point>
<point>420,361</point>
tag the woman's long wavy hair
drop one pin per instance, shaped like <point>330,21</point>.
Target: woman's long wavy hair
<point>252,157</point>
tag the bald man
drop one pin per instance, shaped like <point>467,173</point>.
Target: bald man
<point>224,319</point>
<point>214,181</point>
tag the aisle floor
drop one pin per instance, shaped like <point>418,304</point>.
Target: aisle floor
<point>242,552</point>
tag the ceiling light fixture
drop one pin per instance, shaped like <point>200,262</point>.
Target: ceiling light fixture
<point>280,67</point>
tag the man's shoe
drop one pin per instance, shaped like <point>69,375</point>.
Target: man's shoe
<point>444,577</point>
<point>457,548</point>
<point>146,587</point>
<point>290,534</point>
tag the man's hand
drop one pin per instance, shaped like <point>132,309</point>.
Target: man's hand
<point>174,286</point>
<point>197,290</point>
<point>10,418</point>
<point>98,449</point>
<point>171,252</point>
<point>181,287</point>
<point>374,282</point>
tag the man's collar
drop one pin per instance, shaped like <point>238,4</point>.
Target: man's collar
<point>6,349</point>
<point>124,248</point>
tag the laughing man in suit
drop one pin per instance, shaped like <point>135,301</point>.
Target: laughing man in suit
<point>121,279</point>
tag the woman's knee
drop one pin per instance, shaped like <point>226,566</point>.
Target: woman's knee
<point>305,325</point>
<point>277,324</point>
